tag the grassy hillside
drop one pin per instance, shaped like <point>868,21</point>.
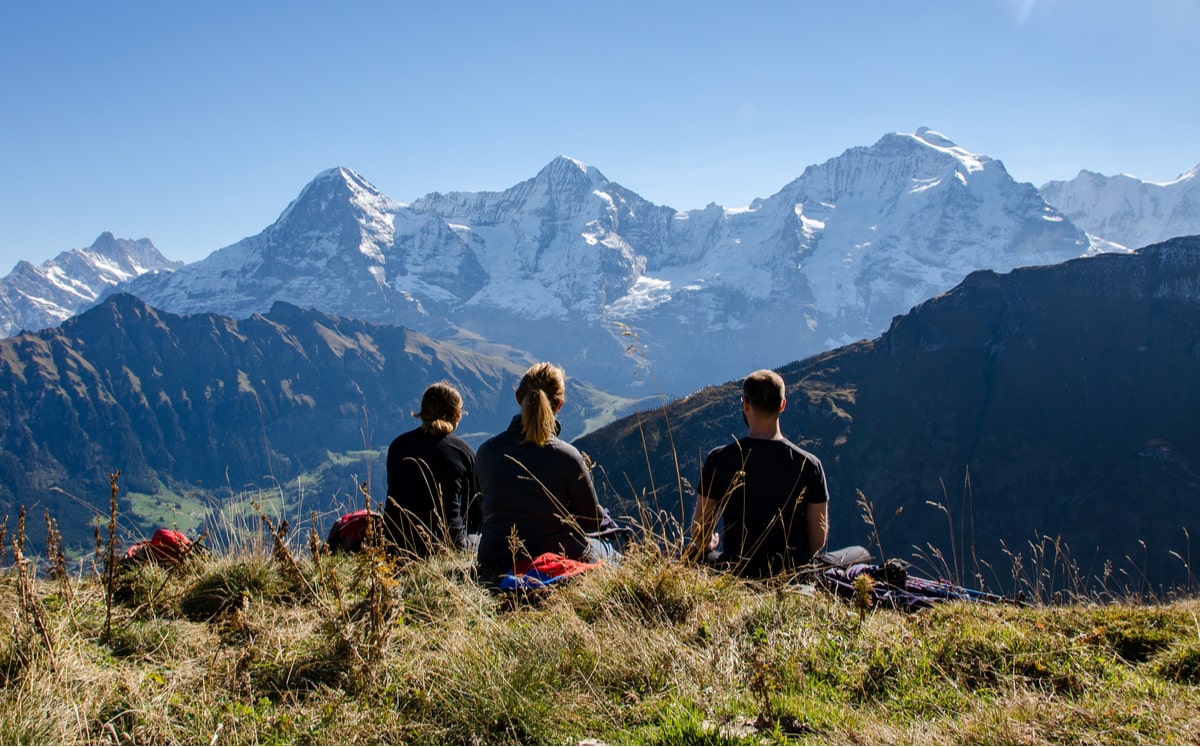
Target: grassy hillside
<point>261,644</point>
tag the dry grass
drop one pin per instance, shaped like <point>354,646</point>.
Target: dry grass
<point>235,648</point>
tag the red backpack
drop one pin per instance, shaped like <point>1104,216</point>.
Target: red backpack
<point>166,546</point>
<point>348,532</point>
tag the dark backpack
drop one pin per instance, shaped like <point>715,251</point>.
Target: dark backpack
<point>348,532</point>
<point>894,585</point>
<point>166,546</point>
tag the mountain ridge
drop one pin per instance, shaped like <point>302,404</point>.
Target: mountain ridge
<point>209,407</point>
<point>1128,211</point>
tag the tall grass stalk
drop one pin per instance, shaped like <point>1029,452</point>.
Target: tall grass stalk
<point>110,559</point>
<point>32,612</point>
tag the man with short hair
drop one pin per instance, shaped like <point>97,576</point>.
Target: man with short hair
<point>769,493</point>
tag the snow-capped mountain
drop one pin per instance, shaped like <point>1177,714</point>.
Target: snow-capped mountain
<point>1127,211</point>
<point>37,297</point>
<point>557,264</point>
<point>327,250</point>
<point>867,235</point>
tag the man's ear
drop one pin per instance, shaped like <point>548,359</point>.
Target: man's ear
<point>783,404</point>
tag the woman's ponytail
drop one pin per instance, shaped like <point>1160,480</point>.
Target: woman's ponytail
<point>542,391</point>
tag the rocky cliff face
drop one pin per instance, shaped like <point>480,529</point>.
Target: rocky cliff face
<point>1054,401</point>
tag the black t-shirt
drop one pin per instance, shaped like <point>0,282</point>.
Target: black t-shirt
<point>431,485</point>
<point>764,487</point>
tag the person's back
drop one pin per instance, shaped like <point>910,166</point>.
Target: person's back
<point>543,492</point>
<point>770,494</point>
<point>761,486</point>
<point>430,475</point>
<point>535,487</point>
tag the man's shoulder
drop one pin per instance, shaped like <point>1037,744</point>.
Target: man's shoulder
<point>717,451</point>
<point>732,452</point>
<point>801,450</point>
<point>746,444</point>
<point>769,448</point>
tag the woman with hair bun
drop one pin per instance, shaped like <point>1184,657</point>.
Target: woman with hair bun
<point>431,480</point>
<point>538,495</point>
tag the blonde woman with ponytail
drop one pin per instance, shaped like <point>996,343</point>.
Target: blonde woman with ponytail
<point>432,500</point>
<point>537,493</point>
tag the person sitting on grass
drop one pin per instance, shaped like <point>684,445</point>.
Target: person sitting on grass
<point>769,494</point>
<point>432,500</point>
<point>538,495</point>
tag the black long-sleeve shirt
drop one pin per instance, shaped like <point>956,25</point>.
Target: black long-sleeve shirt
<point>432,493</point>
<point>545,492</point>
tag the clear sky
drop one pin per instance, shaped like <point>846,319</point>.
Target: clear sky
<point>194,124</point>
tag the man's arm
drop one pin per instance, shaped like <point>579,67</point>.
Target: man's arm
<point>704,522</point>
<point>816,516</point>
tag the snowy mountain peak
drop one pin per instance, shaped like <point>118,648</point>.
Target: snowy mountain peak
<point>333,192</point>
<point>34,297</point>
<point>880,228</point>
<point>923,162</point>
<point>340,182</point>
<point>940,142</point>
<point>568,174</point>
<point>124,258</point>
<point>568,164</point>
<point>107,245</point>
<point>342,176</point>
<point>934,138</point>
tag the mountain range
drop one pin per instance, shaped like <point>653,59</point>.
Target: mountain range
<point>295,354</point>
<point>562,265</point>
<point>1054,402</point>
<point>573,267</point>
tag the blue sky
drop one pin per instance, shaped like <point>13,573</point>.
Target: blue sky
<point>194,124</point>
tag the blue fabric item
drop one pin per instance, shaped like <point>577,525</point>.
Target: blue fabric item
<point>528,581</point>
